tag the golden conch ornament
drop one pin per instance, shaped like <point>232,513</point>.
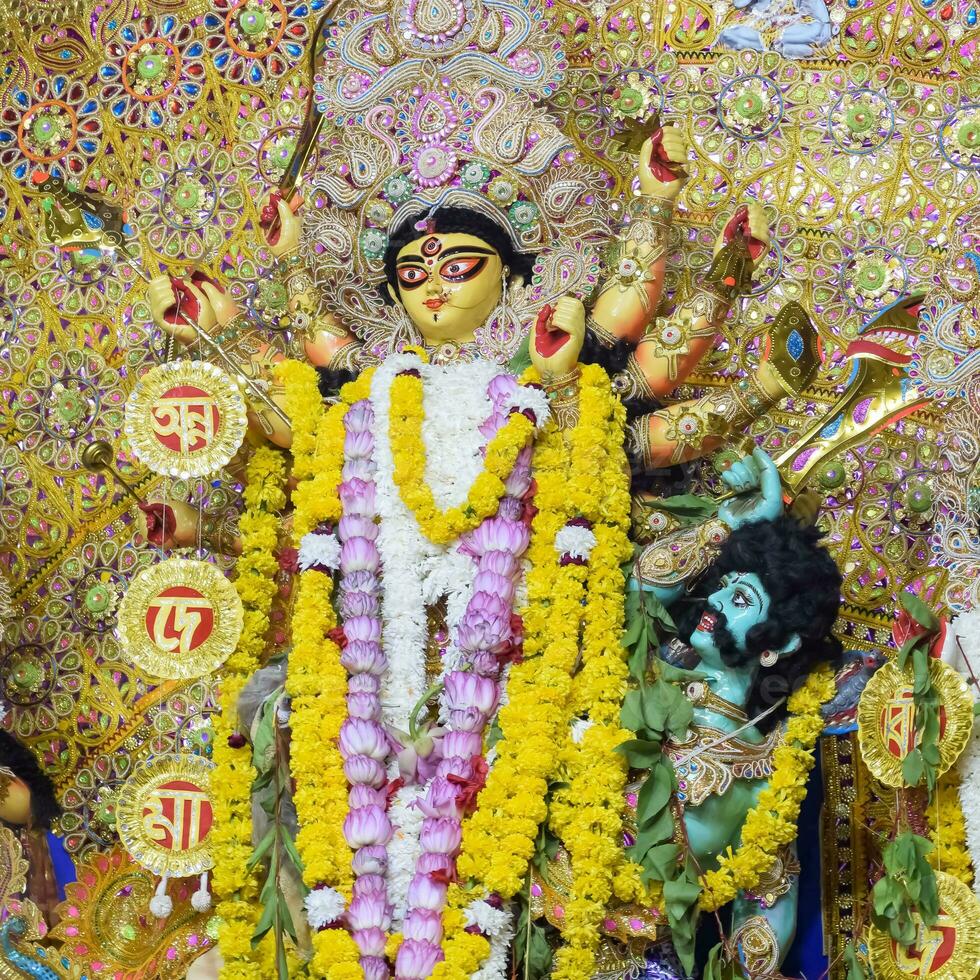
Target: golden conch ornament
<point>164,815</point>
<point>185,419</point>
<point>886,719</point>
<point>180,619</point>
<point>947,950</point>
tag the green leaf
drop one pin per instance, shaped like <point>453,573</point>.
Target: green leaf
<point>918,610</point>
<point>913,768</point>
<point>631,714</point>
<point>263,848</point>
<point>688,507</point>
<point>655,793</point>
<point>642,753</point>
<point>290,847</point>
<point>265,921</point>
<point>855,968</point>
<point>521,360</point>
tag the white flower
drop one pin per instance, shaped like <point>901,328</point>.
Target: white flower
<point>403,849</point>
<point>963,642</point>
<point>575,541</point>
<point>320,549</point>
<point>323,906</point>
<point>969,767</point>
<point>161,906</point>
<point>201,900</point>
<point>485,917</point>
<point>534,399</point>
<point>579,727</point>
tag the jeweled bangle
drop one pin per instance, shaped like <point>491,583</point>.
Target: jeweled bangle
<point>751,397</point>
<point>649,224</point>
<point>562,392</point>
<point>218,536</point>
<point>653,208</point>
<point>631,382</point>
<point>638,441</point>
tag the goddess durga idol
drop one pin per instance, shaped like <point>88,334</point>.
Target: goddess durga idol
<point>452,708</point>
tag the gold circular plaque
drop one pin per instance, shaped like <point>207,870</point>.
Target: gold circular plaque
<point>886,725</point>
<point>947,950</point>
<point>164,815</point>
<point>179,619</point>
<point>185,419</point>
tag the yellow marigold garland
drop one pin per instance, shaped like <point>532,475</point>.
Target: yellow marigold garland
<point>947,830</point>
<point>588,813</point>
<point>771,823</point>
<point>408,450</point>
<point>238,909</point>
<point>317,681</point>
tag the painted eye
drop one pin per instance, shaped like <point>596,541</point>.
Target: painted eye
<point>459,270</point>
<point>411,276</point>
<point>740,599</point>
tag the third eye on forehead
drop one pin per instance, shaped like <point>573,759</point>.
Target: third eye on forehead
<point>455,250</point>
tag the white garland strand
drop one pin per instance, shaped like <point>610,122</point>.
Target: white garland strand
<point>498,926</point>
<point>403,850</point>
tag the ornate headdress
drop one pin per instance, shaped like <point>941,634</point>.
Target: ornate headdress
<point>435,104</point>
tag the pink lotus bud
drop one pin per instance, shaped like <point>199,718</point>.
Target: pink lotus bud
<point>366,706</point>
<point>357,527</point>
<point>372,860</point>
<point>465,690</point>
<point>426,893</point>
<point>467,719</point>
<point>368,912</point>
<point>440,835</point>
<point>358,445</point>
<point>373,885</point>
<point>362,581</point>
<point>364,684</point>
<point>359,417</point>
<point>366,629</point>
<point>491,583</point>
<point>361,657</point>
<point>511,509</point>
<point>497,534</point>
<point>501,562</point>
<point>435,864</point>
<point>371,942</point>
<point>455,766</point>
<point>485,664</point>
<point>358,604</point>
<point>423,924</point>
<point>361,795</point>
<point>492,425</point>
<point>462,743</point>
<point>374,967</point>
<point>357,497</point>
<point>417,959</point>
<point>502,389</point>
<point>440,801</point>
<point>363,769</point>
<point>367,825</point>
<point>359,554</point>
<point>361,737</point>
<point>361,470</point>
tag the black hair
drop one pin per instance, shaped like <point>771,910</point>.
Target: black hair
<point>21,760</point>
<point>450,220</point>
<point>803,583</point>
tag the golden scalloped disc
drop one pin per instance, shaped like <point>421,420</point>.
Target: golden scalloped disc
<point>164,815</point>
<point>885,718</point>
<point>185,419</point>
<point>179,619</point>
<point>948,950</point>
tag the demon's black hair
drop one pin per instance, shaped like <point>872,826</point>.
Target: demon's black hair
<point>456,220</point>
<point>20,759</point>
<point>803,584</point>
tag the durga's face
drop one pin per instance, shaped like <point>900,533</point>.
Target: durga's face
<point>449,284</point>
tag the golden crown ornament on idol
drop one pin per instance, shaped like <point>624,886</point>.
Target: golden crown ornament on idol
<point>164,816</point>
<point>180,619</point>
<point>947,950</point>
<point>886,719</point>
<point>185,419</point>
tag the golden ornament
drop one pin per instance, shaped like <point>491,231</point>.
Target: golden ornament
<point>886,719</point>
<point>185,419</point>
<point>164,815</point>
<point>180,619</point>
<point>947,950</point>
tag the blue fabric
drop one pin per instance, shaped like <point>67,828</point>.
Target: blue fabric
<point>806,958</point>
<point>64,868</point>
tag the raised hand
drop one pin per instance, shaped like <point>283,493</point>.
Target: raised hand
<point>167,295</point>
<point>558,337</point>
<point>760,491</point>
<point>749,221</point>
<point>661,159</point>
<point>281,225</point>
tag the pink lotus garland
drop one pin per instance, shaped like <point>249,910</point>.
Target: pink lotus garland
<point>364,743</point>
<point>483,634</point>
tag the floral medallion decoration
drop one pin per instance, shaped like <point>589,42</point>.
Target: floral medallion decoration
<point>947,950</point>
<point>886,719</point>
<point>861,120</point>
<point>154,72</point>
<point>185,419</point>
<point>164,815</point>
<point>55,124</point>
<point>750,107</point>
<point>179,619</point>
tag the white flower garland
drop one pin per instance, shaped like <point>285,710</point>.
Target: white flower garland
<point>319,549</point>
<point>575,541</point>
<point>403,849</point>
<point>323,906</point>
<point>498,926</point>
